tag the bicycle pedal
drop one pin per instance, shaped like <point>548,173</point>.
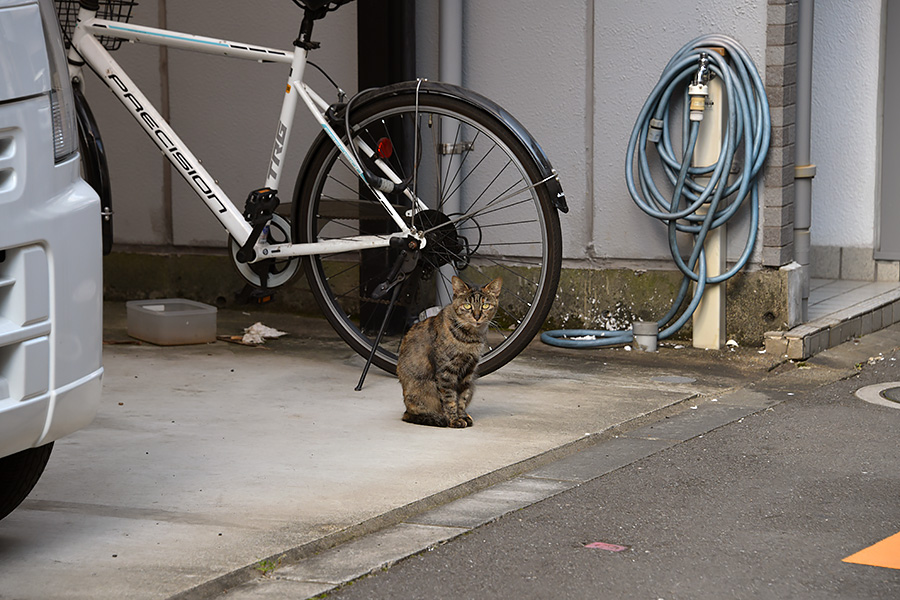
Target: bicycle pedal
<point>263,297</point>
<point>254,295</point>
<point>260,205</point>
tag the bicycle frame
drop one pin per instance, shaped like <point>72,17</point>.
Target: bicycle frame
<point>85,46</point>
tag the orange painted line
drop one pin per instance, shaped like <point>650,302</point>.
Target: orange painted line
<point>885,553</point>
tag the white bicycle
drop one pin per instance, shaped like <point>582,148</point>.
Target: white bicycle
<point>437,181</point>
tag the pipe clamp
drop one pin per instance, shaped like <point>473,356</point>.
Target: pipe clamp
<point>804,171</point>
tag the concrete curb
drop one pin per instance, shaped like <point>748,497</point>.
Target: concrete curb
<point>809,339</point>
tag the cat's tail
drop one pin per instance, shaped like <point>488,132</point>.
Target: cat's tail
<point>426,419</point>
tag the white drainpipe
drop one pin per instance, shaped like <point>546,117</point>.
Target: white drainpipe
<point>451,67</point>
<point>451,41</point>
<point>804,171</point>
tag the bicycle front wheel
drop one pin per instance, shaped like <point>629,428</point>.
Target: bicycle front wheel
<point>482,202</point>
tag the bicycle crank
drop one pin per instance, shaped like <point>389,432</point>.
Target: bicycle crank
<point>271,272</point>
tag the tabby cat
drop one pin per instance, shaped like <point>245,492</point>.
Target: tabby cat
<point>438,356</point>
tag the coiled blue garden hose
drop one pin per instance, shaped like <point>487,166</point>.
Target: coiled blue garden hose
<point>748,128</point>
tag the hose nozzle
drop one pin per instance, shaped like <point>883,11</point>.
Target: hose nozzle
<point>699,88</point>
<point>703,72</point>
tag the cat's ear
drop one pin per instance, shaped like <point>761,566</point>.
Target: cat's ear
<point>459,286</point>
<point>493,288</point>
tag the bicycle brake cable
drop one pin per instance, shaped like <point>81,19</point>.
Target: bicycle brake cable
<point>415,167</point>
<point>341,93</point>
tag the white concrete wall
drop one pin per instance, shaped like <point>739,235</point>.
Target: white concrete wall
<point>574,73</point>
<point>845,122</point>
<point>632,43</point>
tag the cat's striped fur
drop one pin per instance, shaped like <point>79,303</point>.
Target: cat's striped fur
<point>438,357</point>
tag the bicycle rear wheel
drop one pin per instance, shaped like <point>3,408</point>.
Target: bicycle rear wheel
<point>489,215</point>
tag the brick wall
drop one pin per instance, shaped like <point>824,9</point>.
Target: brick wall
<point>781,88</point>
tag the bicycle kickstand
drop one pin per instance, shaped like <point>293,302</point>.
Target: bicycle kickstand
<point>403,266</point>
<point>387,316</point>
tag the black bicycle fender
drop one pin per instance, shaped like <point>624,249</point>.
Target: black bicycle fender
<point>93,156</point>
<point>476,100</point>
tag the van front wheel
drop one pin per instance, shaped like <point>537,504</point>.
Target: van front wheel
<point>19,473</point>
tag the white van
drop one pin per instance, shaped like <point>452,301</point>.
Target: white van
<point>50,253</point>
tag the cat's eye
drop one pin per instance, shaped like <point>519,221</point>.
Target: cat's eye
<point>485,306</point>
<point>467,306</point>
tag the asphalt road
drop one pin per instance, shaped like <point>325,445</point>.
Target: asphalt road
<point>765,507</point>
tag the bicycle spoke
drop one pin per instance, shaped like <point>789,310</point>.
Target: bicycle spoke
<point>471,171</point>
<point>446,177</point>
<point>352,292</point>
<point>497,199</point>
<point>490,225</point>
<point>339,273</point>
<point>491,183</point>
<point>469,216</point>
<point>496,244</point>
<point>510,270</point>
<point>505,207</point>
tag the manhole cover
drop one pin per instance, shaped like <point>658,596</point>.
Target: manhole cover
<point>892,394</point>
<point>882,394</point>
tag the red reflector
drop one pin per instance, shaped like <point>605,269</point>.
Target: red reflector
<point>385,148</point>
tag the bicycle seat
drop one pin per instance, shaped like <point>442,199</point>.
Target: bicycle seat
<point>315,5</point>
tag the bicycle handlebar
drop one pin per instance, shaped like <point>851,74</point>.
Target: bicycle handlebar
<point>90,4</point>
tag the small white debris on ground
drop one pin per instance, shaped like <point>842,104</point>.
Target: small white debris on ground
<point>874,359</point>
<point>259,333</point>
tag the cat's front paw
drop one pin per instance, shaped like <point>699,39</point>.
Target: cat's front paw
<point>468,420</point>
<point>460,423</point>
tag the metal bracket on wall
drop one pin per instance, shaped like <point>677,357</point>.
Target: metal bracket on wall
<point>804,171</point>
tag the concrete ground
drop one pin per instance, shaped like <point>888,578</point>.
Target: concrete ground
<point>210,465</point>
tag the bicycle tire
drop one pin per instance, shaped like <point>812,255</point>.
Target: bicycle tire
<point>492,162</point>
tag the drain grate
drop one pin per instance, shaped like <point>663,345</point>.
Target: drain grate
<point>882,394</point>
